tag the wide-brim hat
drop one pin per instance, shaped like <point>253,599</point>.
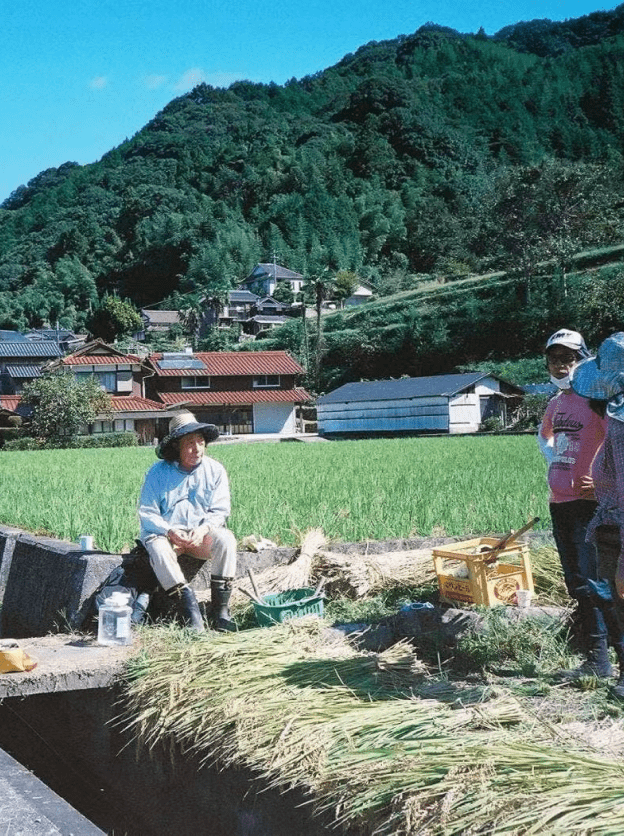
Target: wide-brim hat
<point>602,377</point>
<point>185,423</point>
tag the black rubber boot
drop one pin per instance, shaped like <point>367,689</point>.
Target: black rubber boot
<point>596,643</point>
<point>189,613</point>
<point>596,664</point>
<point>220,591</point>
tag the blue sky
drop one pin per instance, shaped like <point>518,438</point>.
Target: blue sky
<point>77,77</point>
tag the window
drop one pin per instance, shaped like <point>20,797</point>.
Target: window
<point>124,425</point>
<point>107,380</point>
<point>103,427</point>
<point>266,381</point>
<point>197,382</point>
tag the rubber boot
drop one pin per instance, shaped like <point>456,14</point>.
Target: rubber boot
<point>596,642</point>
<point>188,609</point>
<point>220,591</point>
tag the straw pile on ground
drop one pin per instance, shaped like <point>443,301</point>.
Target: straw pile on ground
<point>372,739</point>
<point>351,575</point>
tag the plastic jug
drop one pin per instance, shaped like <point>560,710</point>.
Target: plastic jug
<point>114,620</point>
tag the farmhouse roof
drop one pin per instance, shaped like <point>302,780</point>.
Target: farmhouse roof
<point>23,371</point>
<point>233,364</point>
<point>445,385</point>
<point>270,270</point>
<point>12,336</point>
<point>161,317</point>
<point>41,350</point>
<point>134,403</point>
<point>10,402</point>
<point>236,397</point>
<point>242,296</point>
<point>98,353</point>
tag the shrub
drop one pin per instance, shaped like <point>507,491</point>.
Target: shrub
<point>24,443</point>
<point>125,439</point>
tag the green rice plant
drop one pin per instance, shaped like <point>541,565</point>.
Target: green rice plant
<point>353,490</point>
<point>531,645</point>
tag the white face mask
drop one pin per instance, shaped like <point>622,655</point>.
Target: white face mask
<point>561,382</point>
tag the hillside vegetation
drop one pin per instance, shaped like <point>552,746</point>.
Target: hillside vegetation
<point>433,154</point>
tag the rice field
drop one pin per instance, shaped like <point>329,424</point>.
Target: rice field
<point>353,490</point>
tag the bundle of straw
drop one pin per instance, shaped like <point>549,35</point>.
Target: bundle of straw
<point>294,575</point>
<point>360,734</point>
<point>356,575</point>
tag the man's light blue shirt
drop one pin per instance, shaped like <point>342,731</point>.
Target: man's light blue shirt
<point>175,498</point>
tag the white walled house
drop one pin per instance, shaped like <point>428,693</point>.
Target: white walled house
<point>452,403</point>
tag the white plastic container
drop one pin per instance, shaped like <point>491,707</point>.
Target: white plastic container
<point>114,620</point>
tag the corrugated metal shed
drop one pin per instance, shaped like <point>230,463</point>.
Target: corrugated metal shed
<point>405,387</point>
<point>453,403</point>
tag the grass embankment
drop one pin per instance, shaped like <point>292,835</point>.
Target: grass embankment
<point>353,490</point>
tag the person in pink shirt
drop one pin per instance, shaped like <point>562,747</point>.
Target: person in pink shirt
<point>570,435</point>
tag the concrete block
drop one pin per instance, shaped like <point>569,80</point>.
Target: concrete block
<point>48,585</point>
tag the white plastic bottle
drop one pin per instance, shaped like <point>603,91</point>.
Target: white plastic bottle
<point>114,620</point>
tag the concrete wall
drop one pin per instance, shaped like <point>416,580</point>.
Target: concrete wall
<point>73,743</point>
<point>47,585</point>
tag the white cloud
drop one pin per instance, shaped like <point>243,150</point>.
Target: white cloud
<point>98,83</point>
<point>153,82</point>
<point>191,78</point>
<point>225,79</point>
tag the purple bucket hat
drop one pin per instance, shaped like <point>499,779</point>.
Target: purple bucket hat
<point>602,377</point>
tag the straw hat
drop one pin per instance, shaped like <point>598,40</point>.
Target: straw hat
<point>182,424</point>
<point>602,377</point>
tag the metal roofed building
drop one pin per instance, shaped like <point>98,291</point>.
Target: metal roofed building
<point>452,403</point>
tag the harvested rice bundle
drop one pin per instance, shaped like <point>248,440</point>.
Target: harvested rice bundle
<point>356,575</point>
<point>548,576</point>
<point>294,575</point>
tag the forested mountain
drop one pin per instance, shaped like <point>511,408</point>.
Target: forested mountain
<point>433,153</point>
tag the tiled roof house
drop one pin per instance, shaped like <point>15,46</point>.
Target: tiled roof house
<point>240,392</point>
<point>122,376</point>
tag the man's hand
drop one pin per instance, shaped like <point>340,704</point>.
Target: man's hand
<point>587,487</point>
<point>619,577</point>
<point>179,538</point>
<point>183,539</point>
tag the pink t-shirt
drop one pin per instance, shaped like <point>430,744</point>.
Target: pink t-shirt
<point>578,433</point>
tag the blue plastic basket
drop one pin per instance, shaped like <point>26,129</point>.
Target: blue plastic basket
<point>284,606</point>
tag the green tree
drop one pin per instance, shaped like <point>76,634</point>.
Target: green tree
<point>63,406</point>
<point>283,293</point>
<point>345,283</point>
<point>114,318</point>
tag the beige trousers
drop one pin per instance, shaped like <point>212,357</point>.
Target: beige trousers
<point>218,546</point>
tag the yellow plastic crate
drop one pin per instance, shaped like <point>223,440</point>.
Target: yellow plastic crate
<point>464,577</point>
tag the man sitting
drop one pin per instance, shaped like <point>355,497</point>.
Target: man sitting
<point>183,508</point>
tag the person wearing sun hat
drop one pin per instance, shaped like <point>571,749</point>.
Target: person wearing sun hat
<point>602,378</point>
<point>570,434</point>
<point>183,508</point>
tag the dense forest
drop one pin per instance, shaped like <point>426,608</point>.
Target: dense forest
<point>431,157</point>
